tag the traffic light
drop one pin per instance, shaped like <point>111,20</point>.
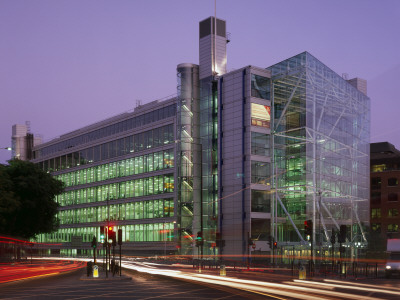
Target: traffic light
<point>112,238</point>
<point>102,236</point>
<point>199,239</point>
<point>342,234</point>
<point>275,245</point>
<point>120,237</point>
<point>308,229</point>
<point>94,242</point>
<point>333,236</point>
<point>270,241</point>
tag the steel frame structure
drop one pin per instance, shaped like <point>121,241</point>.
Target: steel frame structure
<point>321,154</point>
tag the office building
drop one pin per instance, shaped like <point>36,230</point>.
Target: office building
<point>385,190</point>
<point>23,141</point>
<point>236,161</point>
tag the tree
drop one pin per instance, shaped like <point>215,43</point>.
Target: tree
<point>27,205</point>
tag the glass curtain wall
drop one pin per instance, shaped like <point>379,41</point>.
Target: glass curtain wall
<point>321,156</point>
<point>209,141</point>
<point>189,156</point>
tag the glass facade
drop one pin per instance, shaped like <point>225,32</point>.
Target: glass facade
<point>118,127</point>
<point>128,181</point>
<point>209,141</point>
<point>131,166</point>
<point>321,153</point>
<point>260,87</point>
<point>188,159</point>
<point>148,209</point>
<point>260,144</point>
<point>119,147</point>
<point>148,232</point>
<point>260,224</point>
<point>121,190</point>
<point>303,155</point>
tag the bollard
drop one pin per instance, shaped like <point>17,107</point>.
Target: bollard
<point>222,270</point>
<point>95,271</point>
<point>302,272</point>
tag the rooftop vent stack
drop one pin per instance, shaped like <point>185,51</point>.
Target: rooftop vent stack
<point>359,83</point>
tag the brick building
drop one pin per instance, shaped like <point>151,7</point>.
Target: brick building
<point>385,190</point>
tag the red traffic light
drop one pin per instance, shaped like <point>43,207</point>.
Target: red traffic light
<point>308,227</point>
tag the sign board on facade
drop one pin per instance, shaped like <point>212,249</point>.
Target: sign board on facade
<point>260,115</point>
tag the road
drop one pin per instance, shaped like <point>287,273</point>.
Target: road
<point>152,280</point>
<point>20,271</point>
<point>142,286</point>
<point>280,287</point>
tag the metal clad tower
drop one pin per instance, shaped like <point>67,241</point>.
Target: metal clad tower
<point>212,53</point>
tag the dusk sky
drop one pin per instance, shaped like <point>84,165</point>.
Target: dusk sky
<point>67,64</point>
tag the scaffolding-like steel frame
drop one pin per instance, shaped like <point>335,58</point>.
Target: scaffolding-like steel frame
<point>319,112</point>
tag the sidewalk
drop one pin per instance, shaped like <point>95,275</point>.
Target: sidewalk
<point>102,275</point>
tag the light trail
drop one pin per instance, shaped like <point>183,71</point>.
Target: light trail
<point>28,277</point>
<point>266,288</point>
<point>359,284</point>
<point>345,285</point>
<point>216,280</point>
<point>298,289</point>
<point>26,271</point>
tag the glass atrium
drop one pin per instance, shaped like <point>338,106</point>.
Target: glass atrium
<point>321,157</point>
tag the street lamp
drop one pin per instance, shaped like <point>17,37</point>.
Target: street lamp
<point>7,148</point>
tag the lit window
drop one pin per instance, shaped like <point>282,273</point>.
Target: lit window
<point>260,115</point>
<point>378,168</point>
<point>393,212</point>
<point>393,228</point>
<point>375,213</point>
<point>376,227</point>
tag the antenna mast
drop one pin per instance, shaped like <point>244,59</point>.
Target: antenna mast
<point>215,37</point>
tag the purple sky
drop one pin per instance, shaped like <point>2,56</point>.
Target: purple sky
<point>66,64</point>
